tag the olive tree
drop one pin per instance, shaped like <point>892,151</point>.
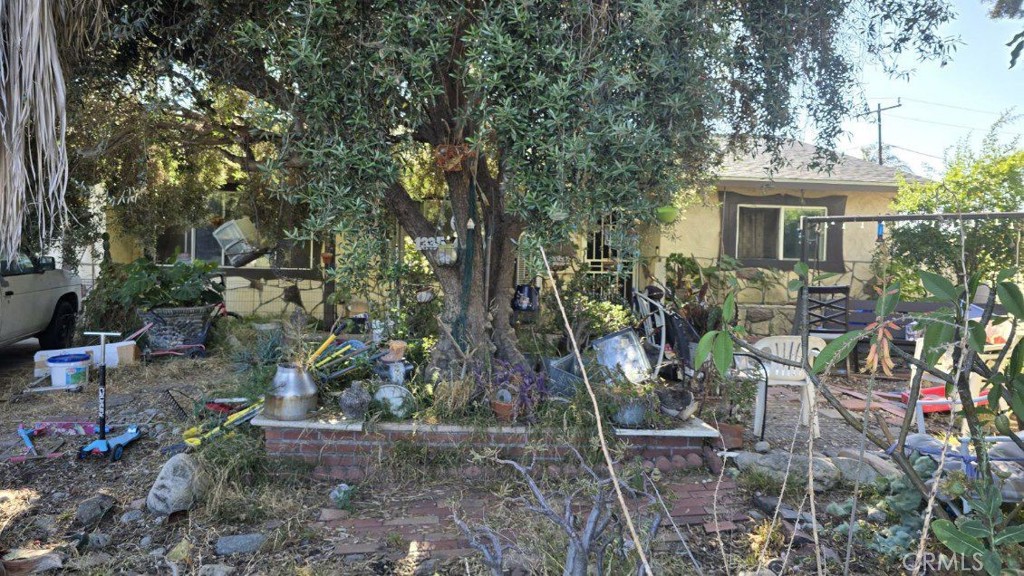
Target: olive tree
<point>543,118</point>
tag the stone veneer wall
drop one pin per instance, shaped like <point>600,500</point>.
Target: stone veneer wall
<point>346,452</point>
<point>767,319</point>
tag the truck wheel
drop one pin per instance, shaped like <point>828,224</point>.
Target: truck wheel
<point>61,331</point>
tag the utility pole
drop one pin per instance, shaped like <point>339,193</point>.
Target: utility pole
<point>878,120</point>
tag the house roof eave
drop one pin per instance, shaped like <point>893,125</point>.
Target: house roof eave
<point>824,186</point>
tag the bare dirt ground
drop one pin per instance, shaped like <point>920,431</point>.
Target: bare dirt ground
<point>38,498</point>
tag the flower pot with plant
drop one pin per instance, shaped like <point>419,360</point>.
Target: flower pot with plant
<point>177,300</point>
<point>513,390</point>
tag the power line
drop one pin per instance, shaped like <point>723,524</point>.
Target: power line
<point>916,152</point>
<point>947,124</point>
<point>941,105</point>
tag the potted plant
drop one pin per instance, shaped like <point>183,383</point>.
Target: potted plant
<point>176,299</point>
<point>514,391</point>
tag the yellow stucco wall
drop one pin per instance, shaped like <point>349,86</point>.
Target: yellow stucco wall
<point>698,233</point>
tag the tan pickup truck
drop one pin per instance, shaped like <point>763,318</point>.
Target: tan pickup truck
<point>37,300</point>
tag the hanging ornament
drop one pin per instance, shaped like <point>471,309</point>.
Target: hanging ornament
<point>447,254</point>
<point>425,295</point>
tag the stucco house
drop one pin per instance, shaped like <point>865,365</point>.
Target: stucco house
<point>754,218</point>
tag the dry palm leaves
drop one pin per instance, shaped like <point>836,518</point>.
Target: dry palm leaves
<point>33,158</point>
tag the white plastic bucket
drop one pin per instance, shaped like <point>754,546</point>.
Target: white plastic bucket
<point>69,370</point>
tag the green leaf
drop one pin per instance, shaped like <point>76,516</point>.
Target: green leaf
<point>992,562</point>
<point>1011,298</point>
<point>995,394</point>
<point>836,350</point>
<point>1009,535</point>
<point>795,284</point>
<point>888,300</point>
<point>972,527</point>
<point>723,348</point>
<point>939,286</point>
<point>1016,364</point>
<point>704,348</point>
<point>976,336</point>
<point>1006,274</point>
<point>956,540</point>
<point>939,332</point>
<point>729,308</point>
<point>801,269</point>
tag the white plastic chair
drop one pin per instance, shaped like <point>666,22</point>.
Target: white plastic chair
<point>788,347</point>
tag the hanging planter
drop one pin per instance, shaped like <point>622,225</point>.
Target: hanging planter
<point>667,214</point>
<point>447,254</point>
<point>450,156</point>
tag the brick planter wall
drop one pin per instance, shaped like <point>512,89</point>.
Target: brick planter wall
<point>345,451</point>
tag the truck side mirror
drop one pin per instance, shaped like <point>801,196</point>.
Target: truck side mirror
<point>45,263</point>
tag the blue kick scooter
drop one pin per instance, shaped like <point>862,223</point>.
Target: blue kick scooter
<point>104,447</point>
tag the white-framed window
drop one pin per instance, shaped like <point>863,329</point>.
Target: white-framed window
<point>600,259</point>
<point>199,244</point>
<point>773,232</point>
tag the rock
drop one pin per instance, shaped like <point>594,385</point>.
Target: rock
<point>99,540</point>
<point>215,570</point>
<point>178,486</point>
<point>693,460</point>
<point>883,466</point>
<point>796,534</point>
<point>768,504</point>
<point>45,522</point>
<point>159,428</point>
<point>271,525</point>
<point>58,496</point>
<point>712,460</point>
<point>755,315</point>
<point>854,471</point>
<point>679,461</point>
<point>158,552</point>
<point>239,544</point>
<point>648,465</point>
<point>427,568</point>
<point>132,516</point>
<point>93,510</point>
<point>829,554</point>
<point>762,447</point>
<point>761,572</point>
<point>146,542</point>
<point>90,561</point>
<point>663,464</point>
<point>180,551</point>
<point>138,504</point>
<point>876,515</point>
<point>354,401</point>
<point>775,464</point>
<point>24,561</point>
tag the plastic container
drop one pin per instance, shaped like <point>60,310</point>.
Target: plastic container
<point>69,370</point>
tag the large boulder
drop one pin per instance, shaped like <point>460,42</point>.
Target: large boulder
<point>776,464</point>
<point>178,487</point>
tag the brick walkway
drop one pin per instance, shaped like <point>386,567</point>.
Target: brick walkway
<point>422,527</point>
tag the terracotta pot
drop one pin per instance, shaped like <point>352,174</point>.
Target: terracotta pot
<point>326,258</point>
<point>504,411</point>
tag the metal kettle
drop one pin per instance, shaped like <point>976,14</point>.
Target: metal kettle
<point>293,394</point>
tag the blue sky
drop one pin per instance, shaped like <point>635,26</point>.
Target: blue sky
<point>941,105</point>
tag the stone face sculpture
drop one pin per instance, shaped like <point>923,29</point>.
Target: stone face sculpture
<point>354,401</point>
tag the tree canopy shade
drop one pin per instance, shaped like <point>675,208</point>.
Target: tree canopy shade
<point>541,117</point>
<point>990,179</point>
